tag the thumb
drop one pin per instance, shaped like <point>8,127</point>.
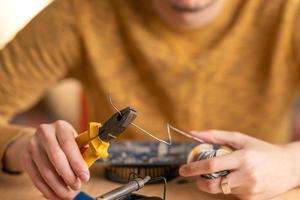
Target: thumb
<point>232,139</point>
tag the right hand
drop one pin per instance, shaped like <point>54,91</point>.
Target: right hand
<point>53,161</point>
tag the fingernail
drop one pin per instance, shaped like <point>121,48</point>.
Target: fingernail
<point>77,185</point>
<point>85,176</point>
<point>182,171</point>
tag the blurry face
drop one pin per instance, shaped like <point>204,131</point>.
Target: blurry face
<point>188,14</point>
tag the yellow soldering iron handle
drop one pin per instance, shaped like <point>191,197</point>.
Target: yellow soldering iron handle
<point>96,147</point>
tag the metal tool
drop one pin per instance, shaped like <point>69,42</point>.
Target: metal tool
<point>94,142</point>
<point>126,189</point>
<point>126,192</point>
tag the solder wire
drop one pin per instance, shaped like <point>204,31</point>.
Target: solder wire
<point>170,127</point>
<point>142,129</point>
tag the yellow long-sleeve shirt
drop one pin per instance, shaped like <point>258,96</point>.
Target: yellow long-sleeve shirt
<point>240,72</point>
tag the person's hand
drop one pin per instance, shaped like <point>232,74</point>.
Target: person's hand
<point>259,170</point>
<point>53,161</point>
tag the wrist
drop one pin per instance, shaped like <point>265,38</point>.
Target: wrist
<point>12,155</point>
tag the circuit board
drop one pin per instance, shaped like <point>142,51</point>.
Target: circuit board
<point>145,153</point>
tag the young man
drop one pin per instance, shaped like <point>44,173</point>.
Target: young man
<point>198,64</point>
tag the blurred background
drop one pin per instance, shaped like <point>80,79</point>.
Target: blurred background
<point>14,15</point>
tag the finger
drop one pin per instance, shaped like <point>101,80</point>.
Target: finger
<point>227,162</point>
<point>233,139</point>
<point>51,177</point>
<point>66,139</point>
<point>46,134</point>
<point>36,178</point>
<point>243,182</point>
<point>235,181</point>
<point>209,185</point>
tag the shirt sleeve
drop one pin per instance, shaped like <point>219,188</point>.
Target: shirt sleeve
<point>296,37</point>
<point>39,56</point>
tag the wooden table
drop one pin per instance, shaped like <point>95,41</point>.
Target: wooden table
<point>16,187</point>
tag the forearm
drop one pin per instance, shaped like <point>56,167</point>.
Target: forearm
<point>41,54</point>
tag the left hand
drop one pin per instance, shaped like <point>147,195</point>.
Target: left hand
<point>259,170</point>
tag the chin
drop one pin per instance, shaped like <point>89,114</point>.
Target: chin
<point>186,21</point>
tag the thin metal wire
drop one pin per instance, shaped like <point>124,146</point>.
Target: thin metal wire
<point>114,107</point>
<point>142,129</point>
<point>151,135</point>
<point>170,127</point>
